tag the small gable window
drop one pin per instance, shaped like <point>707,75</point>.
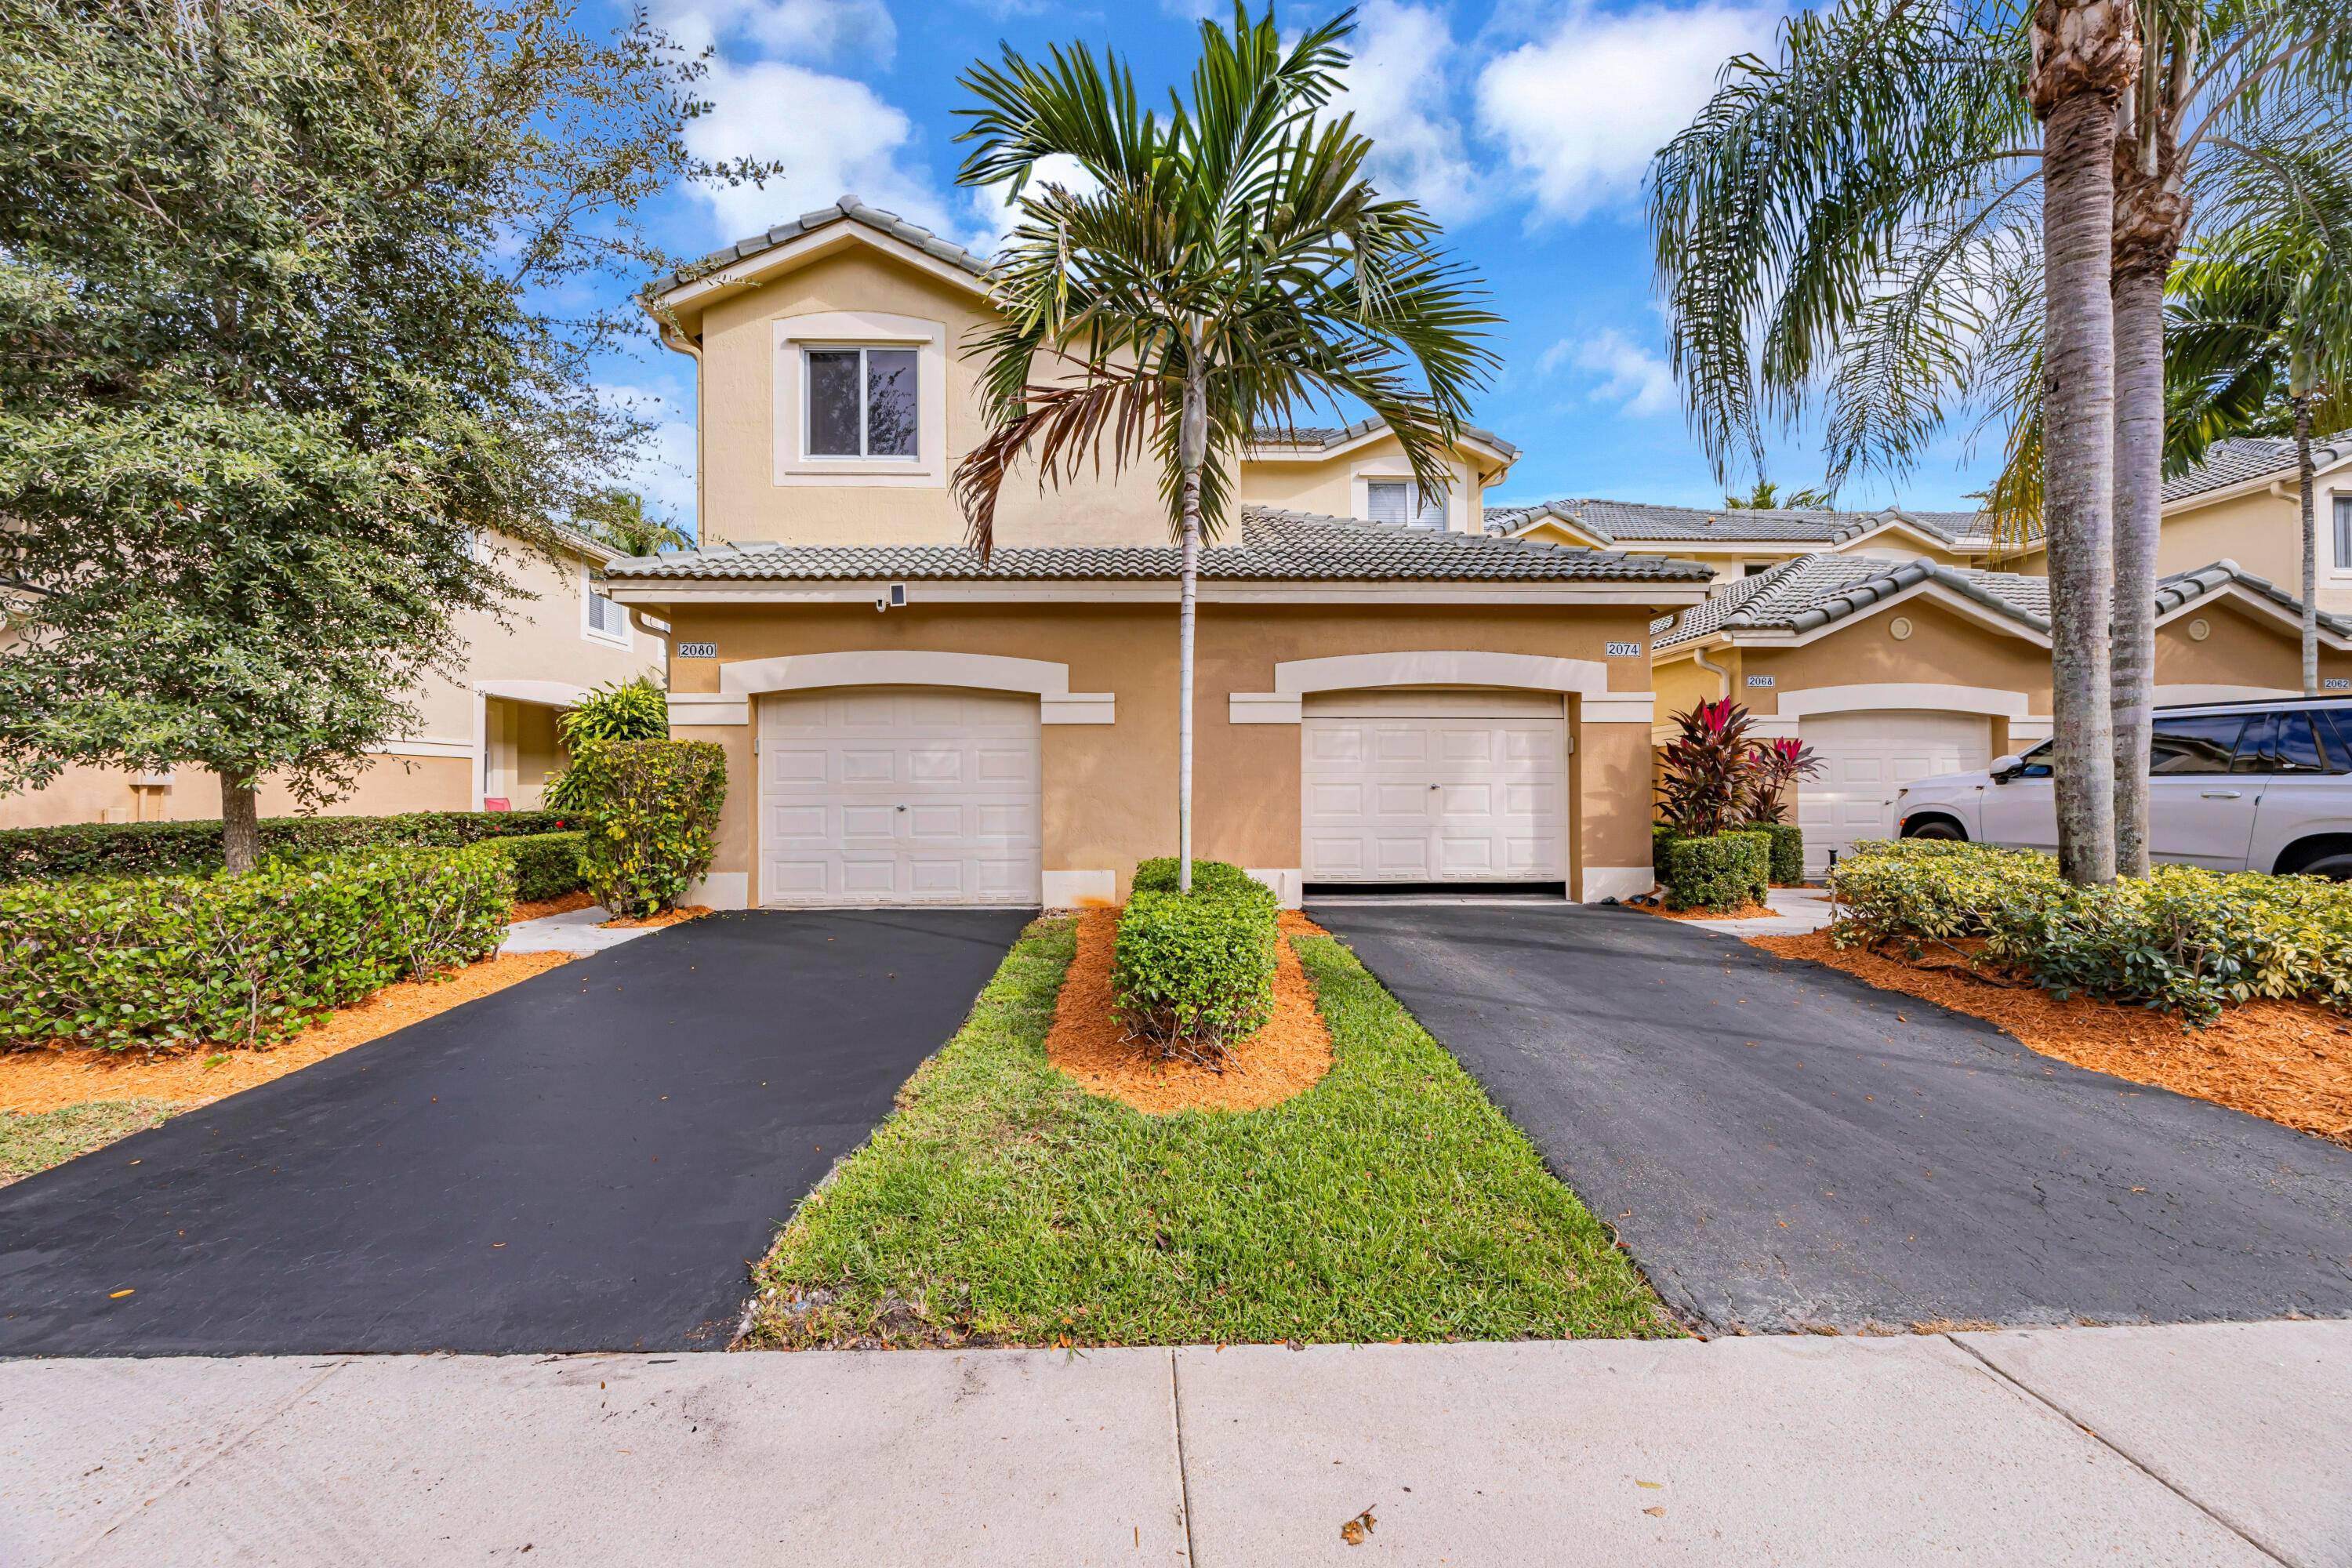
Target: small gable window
<point>861,403</point>
<point>1405,502</point>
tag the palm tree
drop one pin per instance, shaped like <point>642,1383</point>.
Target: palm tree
<point>2261,331</point>
<point>1872,217</point>
<point>1766,497</point>
<point>1234,268</point>
<point>618,518</point>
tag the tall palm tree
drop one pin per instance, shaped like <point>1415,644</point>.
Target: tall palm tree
<point>618,518</point>
<point>1233,267</point>
<point>1866,219</point>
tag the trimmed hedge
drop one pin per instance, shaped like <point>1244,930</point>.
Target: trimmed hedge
<point>1788,850</point>
<point>194,848</point>
<point>1719,873</point>
<point>2184,940</point>
<point>181,961</point>
<point>1195,969</point>
<point>546,864</point>
<point>653,820</point>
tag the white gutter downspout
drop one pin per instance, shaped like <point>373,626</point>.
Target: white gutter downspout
<point>673,339</point>
<point>1722,676</point>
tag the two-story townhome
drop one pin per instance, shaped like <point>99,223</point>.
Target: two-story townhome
<point>1740,543</point>
<point>2243,501</point>
<point>1386,693</point>
<point>488,739</point>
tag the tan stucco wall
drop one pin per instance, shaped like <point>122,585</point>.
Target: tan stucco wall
<point>1109,789</point>
<point>2242,649</point>
<point>2262,534</point>
<point>1327,485</point>
<point>97,795</point>
<point>1944,649</point>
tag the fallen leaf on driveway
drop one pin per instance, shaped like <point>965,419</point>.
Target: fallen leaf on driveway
<point>1654,1485</point>
<point>1358,1529</point>
<point>1656,1512</point>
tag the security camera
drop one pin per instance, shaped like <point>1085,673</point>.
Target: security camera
<point>881,605</point>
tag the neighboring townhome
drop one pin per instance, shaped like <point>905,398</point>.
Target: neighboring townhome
<point>488,739</point>
<point>1386,693</point>
<point>1740,543</point>
<point>1893,673</point>
<point>2244,502</point>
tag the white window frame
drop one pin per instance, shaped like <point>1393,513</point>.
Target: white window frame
<point>1459,488</point>
<point>588,594</point>
<point>864,430</point>
<point>796,336</point>
<point>1421,514</point>
<point>2324,500</point>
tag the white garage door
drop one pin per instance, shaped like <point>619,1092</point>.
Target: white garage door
<point>881,795</point>
<point>1435,786</point>
<point>1865,758</point>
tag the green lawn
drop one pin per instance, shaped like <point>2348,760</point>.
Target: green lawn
<point>47,1138</point>
<point>1002,1205</point>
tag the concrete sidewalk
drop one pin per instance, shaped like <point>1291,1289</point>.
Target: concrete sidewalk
<point>2228,1443</point>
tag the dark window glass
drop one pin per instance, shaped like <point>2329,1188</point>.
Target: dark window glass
<point>2335,730</point>
<point>2344,533</point>
<point>832,403</point>
<point>890,403</point>
<point>2201,745</point>
<point>2037,761</point>
<point>2294,745</point>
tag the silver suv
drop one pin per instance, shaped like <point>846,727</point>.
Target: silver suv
<point>2237,786</point>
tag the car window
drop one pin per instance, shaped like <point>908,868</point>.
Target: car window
<point>2336,729</point>
<point>2037,761</point>
<point>2294,746</point>
<point>2200,743</point>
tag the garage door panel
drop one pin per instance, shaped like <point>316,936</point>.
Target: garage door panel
<point>1865,759</point>
<point>1433,786</point>
<point>882,795</point>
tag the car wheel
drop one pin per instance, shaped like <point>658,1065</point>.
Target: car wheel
<point>1935,827</point>
<point>2335,868</point>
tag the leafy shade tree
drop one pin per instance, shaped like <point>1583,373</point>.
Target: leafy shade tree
<point>1233,267</point>
<point>1766,497</point>
<point>271,274</point>
<point>618,518</point>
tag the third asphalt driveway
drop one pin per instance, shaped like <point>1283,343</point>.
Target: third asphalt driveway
<point>1782,1146</point>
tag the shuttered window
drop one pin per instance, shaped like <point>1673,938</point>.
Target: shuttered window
<point>1403,502</point>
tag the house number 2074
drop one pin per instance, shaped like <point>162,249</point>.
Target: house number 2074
<point>1625,650</point>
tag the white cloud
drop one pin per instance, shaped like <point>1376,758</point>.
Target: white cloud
<point>1579,109</point>
<point>663,471</point>
<point>1397,86</point>
<point>1631,375</point>
<point>797,29</point>
<point>998,220</point>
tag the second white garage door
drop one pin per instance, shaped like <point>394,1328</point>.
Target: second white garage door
<point>879,795</point>
<point>1865,758</point>
<point>1435,786</point>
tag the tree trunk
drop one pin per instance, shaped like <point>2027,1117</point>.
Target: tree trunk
<point>2310,546</point>
<point>2139,298</point>
<point>240,825</point>
<point>2082,57</point>
<point>1192,442</point>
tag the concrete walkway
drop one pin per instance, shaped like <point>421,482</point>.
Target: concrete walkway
<point>2214,1444</point>
<point>577,930</point>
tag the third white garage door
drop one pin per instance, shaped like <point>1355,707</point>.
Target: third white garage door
<point>1435,786</point>
<point>880,795</point>
<point>1865,758</point>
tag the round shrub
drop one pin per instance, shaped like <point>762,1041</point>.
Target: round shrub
<point>546,864</point>
<point>176,961</point>
<point>652,811</point>
<point>1195,972</point>
<point>1722,872</point>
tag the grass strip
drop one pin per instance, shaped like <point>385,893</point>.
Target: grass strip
<point>1002,1205</point>
<point>38,1140</point>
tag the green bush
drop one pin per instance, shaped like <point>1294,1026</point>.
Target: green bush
<point>546,864</point>
<point>1195,969</point>
<point>625,711</point>
<point>1721,872</point>
<point>1788,851</point>
<point>1159,876</point>
<point>162,961</point>
<point>194,848</point>
<point>2184,940</point>
<point>652,810</point>
<point>1663,836</point>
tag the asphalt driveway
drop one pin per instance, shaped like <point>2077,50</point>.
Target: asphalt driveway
<point>1784,1147</point>
<point>583,1161</point>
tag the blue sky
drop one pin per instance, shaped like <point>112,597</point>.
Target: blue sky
<point>1524,125</point>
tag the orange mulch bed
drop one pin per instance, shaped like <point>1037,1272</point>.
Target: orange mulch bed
<point>677,917</point>
<point>1744,912</point>
<point>1288,1056</point>
<point>538,909</point>
<point>2288,1062</point>
<point>46,1078</point>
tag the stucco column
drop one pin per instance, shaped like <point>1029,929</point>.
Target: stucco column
<point>731,883</point>
<point>1612,778</point>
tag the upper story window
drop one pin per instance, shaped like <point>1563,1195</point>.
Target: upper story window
<point>1403,501</point>
<point>862,403</point>
<point>2344,533</point>
<point>606,621</point>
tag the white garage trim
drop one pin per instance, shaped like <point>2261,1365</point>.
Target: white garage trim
<point>1042,678</point>
<point>1989,700</point>
<point>1586,678</point>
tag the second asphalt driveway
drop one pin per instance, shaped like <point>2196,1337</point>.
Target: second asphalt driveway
<point>1784,1147</point>
<point>582,1162</point>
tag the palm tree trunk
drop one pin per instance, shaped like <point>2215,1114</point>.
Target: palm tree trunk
<point>240,824</point>
<point>2078,465</point>
<point>1192,442</point>
<point>2310,546</point>
<point>2138,300</point>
